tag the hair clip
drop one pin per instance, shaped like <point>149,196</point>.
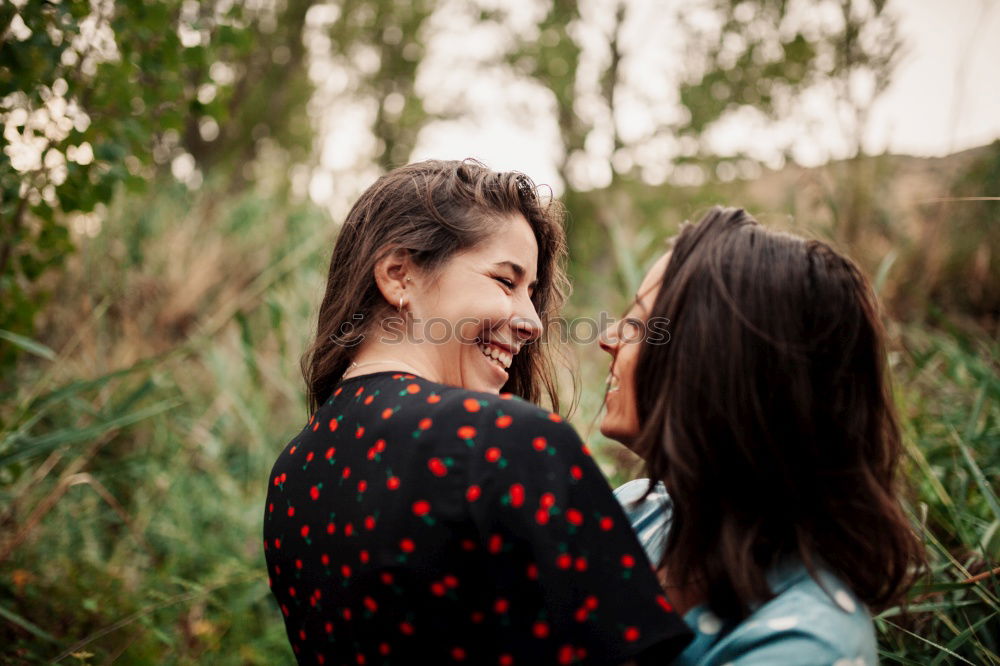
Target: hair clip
<point>524,187</point>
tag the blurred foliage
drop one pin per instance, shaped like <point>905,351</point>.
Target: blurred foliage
<point>149,150</point>
<point>97,94</point>
<point>130,498</point>
<point>391,32</point>
<point>957,263</point>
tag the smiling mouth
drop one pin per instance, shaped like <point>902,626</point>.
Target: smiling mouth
<point>613,383</point>
<point>498,355</point>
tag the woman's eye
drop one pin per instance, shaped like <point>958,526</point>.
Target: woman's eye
<point>505,282</point>
<point>631,330</point>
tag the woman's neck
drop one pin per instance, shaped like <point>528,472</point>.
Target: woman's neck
<point>379,357</point>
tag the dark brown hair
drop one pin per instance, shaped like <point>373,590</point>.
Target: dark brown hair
<point>769,417</point>
<point>433,210</point>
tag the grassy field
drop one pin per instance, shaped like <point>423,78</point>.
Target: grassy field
<point>140,425</point>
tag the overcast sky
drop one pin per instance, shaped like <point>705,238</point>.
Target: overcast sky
<point>945,97</point>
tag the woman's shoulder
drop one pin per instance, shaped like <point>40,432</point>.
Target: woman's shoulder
<point>649,511</point>
<point>504,414</point>
<point>808,621</point>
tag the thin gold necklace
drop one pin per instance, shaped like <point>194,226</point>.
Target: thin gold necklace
<point>355,366</point>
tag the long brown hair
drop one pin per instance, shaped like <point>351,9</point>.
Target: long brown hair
<point>769,417</point>
<point>433,210</point>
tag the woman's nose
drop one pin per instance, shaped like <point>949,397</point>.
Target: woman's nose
<point>527,324</point>
<point>608,340</point>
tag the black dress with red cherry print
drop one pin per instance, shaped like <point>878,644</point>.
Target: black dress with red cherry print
<point>413,522</point>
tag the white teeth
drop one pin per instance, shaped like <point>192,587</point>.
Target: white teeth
<point>499,356</point>
<point>612,384</point>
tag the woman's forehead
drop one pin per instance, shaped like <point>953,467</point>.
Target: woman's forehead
<point>651,282</point>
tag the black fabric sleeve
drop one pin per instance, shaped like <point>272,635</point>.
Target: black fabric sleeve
<point>544,511</point>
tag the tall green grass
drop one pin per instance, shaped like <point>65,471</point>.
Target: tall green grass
<point>136,441</point>
<point>134,454</point>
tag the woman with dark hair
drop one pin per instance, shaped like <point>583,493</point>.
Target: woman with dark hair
<point>428,511</point>
<point>766,418</point>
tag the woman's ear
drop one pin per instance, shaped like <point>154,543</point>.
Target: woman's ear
<point>393,275</point>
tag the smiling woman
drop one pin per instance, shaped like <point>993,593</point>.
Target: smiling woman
<point>461,256</point>
<point>428,510</point>
<point>477,311</point>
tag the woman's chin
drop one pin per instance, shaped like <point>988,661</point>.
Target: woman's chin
<point>615,432</point>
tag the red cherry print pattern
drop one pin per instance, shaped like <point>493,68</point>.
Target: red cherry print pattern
<point>516,495</point>
<point>362,543</point>
<point>437,467</point>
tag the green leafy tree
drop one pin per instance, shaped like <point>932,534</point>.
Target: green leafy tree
<point>97,95</point>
